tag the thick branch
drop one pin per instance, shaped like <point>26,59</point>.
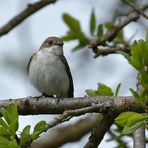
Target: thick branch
<point>42,105</point>
<point>110,106</point>
<point>71,107</point>
<point>32,8</point>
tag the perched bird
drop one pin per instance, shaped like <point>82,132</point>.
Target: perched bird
<point>49,71</point>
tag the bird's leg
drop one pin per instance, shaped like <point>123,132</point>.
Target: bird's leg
<point>58,99</point>
<point>45,95</point>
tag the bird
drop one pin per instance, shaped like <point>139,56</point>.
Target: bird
<point>49,71</point>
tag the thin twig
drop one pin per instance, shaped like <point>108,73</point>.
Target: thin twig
<point>32,8</point>
<point>111,50</point>
<point>100,129</point>
<point>135,8</point>
<point>111,34</point>
<point>118,139</point>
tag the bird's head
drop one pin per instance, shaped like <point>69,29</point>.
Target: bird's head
<point>53,44</point>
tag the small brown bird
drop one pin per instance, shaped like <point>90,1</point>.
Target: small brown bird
<point>49,71</point>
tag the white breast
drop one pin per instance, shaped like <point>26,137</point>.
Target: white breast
<point>47,73</point>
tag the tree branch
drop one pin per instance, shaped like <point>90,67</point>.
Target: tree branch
<point>67,115</point>
<point>70,107</point>
<point>139,134</point>
<point>118,138</point>
<point>111,50</point>
<point>99,131</point>
<point>111,34</point>
<point>69,133</point>
<point>32,8</point>
<point>137,9</point>
<point>46,105</point>
<point>139,138</point>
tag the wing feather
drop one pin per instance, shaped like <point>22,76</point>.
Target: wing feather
<point>71,88</point>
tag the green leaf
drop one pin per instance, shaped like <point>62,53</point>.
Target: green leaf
<point>144,79</point>
<point>4,132</point>
<point>10,114</point>
<point>75,32</point>
<point>25,136</point>
<point>143,50</point>
<point>6,143</point>
<point>135,94</point>
<point>92,22</point>
<point>117,89</point>
<point>136,59</point>
<point>141,98</point>
<point>70,36</point>
<point>40,126</point>
<point>109,25</point>
<point>13,127</point>
<point>13,142</point>
<point>4,129</point>
<point>6,115</point>
<point>119,38</point>
<point>77,47</point>
<point>3,123</point>
<point>82,43</point>
<point>100,30</point>
<point>104,90</point>
<point>129,119</point>
<point>72,23</point>
<point>130,130</point>
<point>12,109</point>
<point>90,92</point>
<point>35,135</point>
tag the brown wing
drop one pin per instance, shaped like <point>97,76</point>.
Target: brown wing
<point>71,89</point>
<point>30,62</point>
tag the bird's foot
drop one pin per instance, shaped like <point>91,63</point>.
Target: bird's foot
<point>58,99</point>
<point>45,95</point>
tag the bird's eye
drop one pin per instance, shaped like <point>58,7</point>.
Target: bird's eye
<point>49,42</point>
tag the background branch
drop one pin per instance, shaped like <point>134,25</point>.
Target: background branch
<point>69,133</point>
<point>139,137</point>
<point>111,34</point>
<point>137,9</point>
<point>32,8</point>
<point>99,130</point>
<point>118,138</point>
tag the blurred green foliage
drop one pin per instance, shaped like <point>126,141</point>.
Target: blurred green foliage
<point>96,31</point>
<point>9,126</point>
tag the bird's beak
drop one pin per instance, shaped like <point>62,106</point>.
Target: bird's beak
<point>60,44</point>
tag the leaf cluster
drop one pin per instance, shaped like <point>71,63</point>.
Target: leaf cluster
<point>9,125</point>
<point>95,31</point>
<point>103,90</point>
<point>139,60</point>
